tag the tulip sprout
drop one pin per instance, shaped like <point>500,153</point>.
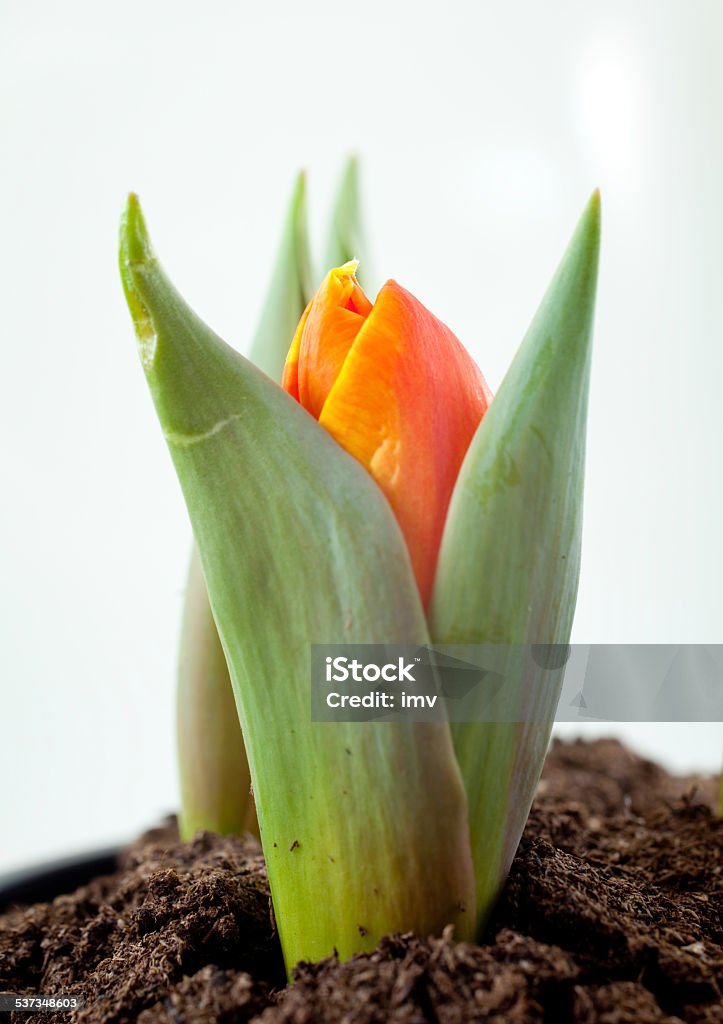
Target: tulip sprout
<point>371,827</point>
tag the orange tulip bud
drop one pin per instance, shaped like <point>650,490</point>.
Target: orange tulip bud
<point>396,390</point>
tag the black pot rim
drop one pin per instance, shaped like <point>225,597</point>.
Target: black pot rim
<point>43,882</point>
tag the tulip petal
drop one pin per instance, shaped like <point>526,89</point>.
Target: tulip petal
<point>213,768</point>
<point>336,314</point>
<point>299,546</point>
<point>405,403</point>
<point>509,561</point>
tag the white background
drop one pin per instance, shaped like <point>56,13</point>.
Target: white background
<point>482,127</point>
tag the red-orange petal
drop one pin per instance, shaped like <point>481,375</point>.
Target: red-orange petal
<point>325,334</point>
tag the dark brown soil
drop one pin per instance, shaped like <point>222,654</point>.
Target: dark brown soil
<point>613,913</point>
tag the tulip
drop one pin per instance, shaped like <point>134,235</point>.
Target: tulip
<point>297,496</point>
<point>396,389</point>
<point>350,856</point>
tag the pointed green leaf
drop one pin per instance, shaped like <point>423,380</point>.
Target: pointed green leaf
<point>510,555</point>
<point>291,288</point>
<point>212,760</point>
<point>299,546</point>
<point>346,239</point>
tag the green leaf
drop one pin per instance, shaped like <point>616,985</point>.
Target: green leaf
<point>299,546</point>
<point>346,239</point>
<point>509,560</point>
<point>291,288</point>
<point>213,767</point>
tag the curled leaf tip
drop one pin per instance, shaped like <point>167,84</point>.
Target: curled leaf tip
<point>134,240</point>
<point>134,251</point>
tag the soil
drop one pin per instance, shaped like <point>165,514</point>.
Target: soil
<point>613,913</point>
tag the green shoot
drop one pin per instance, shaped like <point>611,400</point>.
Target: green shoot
<point>509,561</point>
